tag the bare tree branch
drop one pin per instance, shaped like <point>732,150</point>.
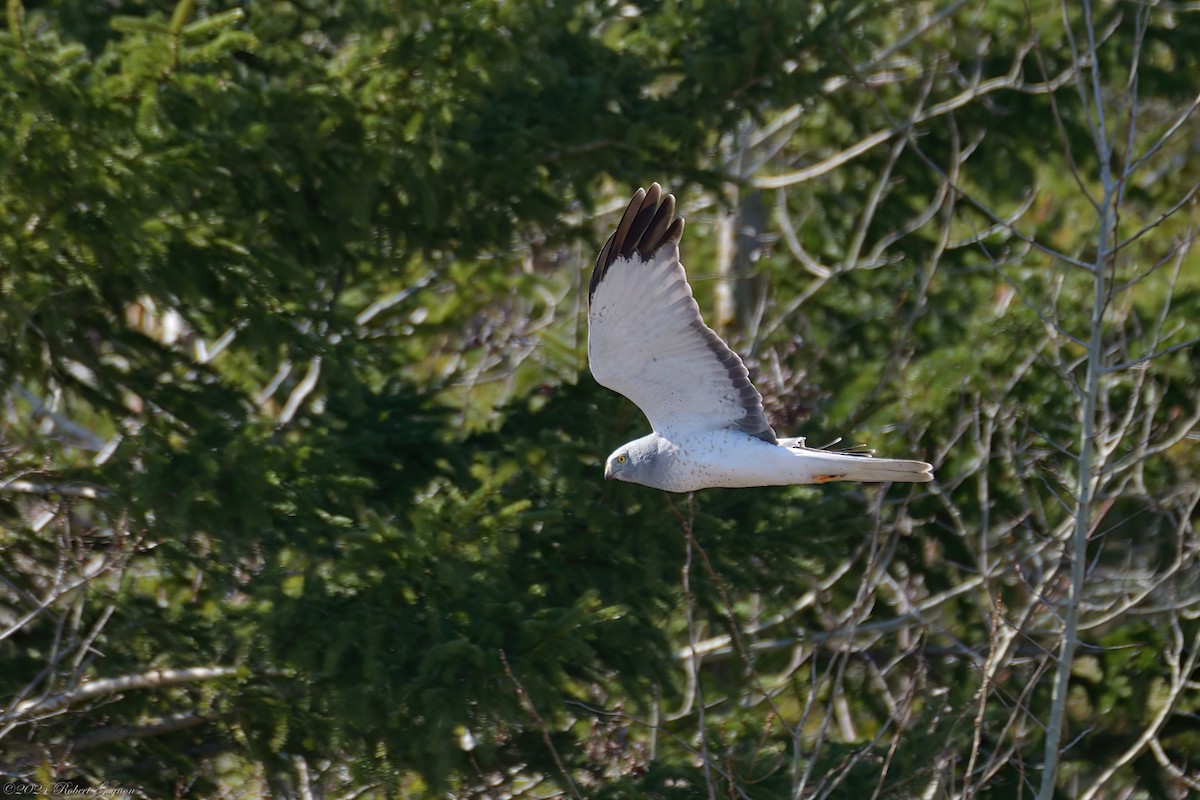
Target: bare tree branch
<point>92,690</point>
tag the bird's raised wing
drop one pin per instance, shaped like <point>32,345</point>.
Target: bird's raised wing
<point>646,339</point>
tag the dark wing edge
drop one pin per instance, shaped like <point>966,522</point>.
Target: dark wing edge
<point>755,422</point>
<point>645,228</point>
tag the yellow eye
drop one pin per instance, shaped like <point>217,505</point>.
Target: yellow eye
<point>621,459</point>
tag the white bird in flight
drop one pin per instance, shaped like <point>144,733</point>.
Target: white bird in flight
<point>647,341</point>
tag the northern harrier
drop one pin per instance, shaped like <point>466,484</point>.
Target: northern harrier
<point>647,341</point>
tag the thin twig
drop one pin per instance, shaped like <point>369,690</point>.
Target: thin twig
<point>531,709</point>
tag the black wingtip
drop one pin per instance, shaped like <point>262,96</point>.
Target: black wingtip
<point>646,227</point>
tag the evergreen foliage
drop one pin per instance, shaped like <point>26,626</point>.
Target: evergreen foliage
<point>300,463</point>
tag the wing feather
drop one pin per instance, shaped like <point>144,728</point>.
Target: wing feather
<point>646,338</point>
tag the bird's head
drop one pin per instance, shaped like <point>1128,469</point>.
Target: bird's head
<point>633,462</point>
<point>617,465</point>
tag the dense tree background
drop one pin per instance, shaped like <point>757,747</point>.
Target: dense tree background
<point>300,461</point>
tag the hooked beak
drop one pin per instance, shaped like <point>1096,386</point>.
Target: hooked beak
<point>608,473</point>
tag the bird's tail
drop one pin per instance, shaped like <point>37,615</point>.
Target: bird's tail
<point>825,466</point>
